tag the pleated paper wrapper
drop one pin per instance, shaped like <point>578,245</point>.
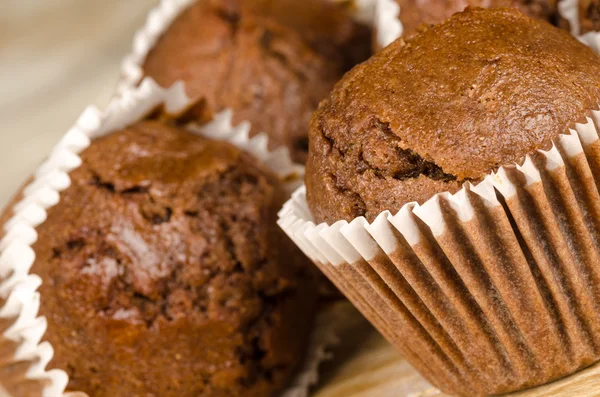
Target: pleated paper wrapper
<point>23,357</point>
<point>382,15</point>
<point>490,290</point>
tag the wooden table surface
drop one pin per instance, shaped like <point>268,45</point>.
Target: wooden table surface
<point>57,57</point>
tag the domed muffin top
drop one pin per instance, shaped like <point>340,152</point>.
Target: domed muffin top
<point>247,56</point>
<point>480,90</point>
<point>164,272</point>
<point>326,26</point>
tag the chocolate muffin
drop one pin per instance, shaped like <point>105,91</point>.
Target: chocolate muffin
<point>327,26</point>
<point>271,62</point>
<point>589,16</point>
<point>164,273</point>
<point>415,13</point>
<point>481,90</point>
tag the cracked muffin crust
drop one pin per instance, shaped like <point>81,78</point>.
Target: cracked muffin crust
<point>479,91</point>
<point>271,62</point>
<point>415,13</point>
<point>164,272</point>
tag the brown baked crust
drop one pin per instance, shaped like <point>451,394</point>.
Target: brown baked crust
<point>481,90</point>
<point>589,15</point>
<point>430,12</point>
<point>164,272</point>
<point>326,26</point>
<point>250,57</point>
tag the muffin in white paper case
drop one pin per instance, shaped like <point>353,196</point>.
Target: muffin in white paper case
<point>490,290</point>
<point>23,358</point>
<point>383,15</point>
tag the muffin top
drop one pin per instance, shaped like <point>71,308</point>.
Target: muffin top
<point>248,56</point>
<point>415,13</point>
<point>481,90</point>
<point>326,26</point>
<point>164,272</point>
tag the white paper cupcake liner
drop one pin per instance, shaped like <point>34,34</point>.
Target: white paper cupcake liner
<point>591,39</point>
<point>569,10</point>
<point>333,320</point>
<point>383,15</point>
<point>23,359</point>
<point>486,291</point>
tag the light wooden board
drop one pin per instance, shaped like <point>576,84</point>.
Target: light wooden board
<point>56,58</point>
